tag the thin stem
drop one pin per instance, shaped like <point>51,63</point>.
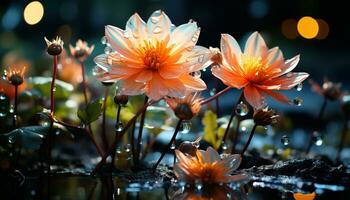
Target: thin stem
<point>84,83</point>
<point>205,101</point>
<point>117,127</point>
<point>178,126</point>
<point>14,123</point>
<point>52,89</point>
<point>132,141</point>
<point>318,123</point>
<point>235,136</point>
<point>343,137</point>
<point>249,139</point>
<point>120,135</point>
<point>139,137</point>
<point>217,104</point>
<point>104,137</point>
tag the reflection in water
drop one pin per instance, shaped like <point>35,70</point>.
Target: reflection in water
<point>300,196</point>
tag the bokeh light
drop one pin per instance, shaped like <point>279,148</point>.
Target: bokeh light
<point>323,29</point>
<point>289,28</point>
<point>33,13</point>
<point>308,27</point>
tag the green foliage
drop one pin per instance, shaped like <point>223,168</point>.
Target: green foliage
<point>91,112</point>
<point>212,132</point>
<point>43,84</point>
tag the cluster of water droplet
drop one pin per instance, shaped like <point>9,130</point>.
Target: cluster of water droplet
<point>4,104</point>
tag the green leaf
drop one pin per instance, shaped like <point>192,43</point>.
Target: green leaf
<point>43,84</point>
<point>29,137</point>
<point>91,112</point>
<point>211,132</point>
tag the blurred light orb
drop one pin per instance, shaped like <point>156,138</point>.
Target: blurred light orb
<point>323,29</point>
<point>308,27</point>
<point>289,28</point>
<point>33,13</point>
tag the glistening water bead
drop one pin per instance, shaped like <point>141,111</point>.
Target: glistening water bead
<point>317,138</point>
<point>297,101</point>
<point>186,126</point>
<point>119,127</point>
<point>299,87</point>
<point>242,109</point>
<point>285,140</point>
<point>104,40</point>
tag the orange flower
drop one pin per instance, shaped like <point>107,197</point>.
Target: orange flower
<point>207,167</point>
<point>185,108</point>
<point>329,89</point>
<point>300,196</point>
<point>14,76</point>
<point>155,58</point>
<point>81,50</point>
<point>258,70</point>
<point>70,70</point>
<point>208,192</point>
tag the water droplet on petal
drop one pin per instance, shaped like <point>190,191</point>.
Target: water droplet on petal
<point>108,50</point>
<point>186,126</point>
<point>299,87</point>
<point>155,19</point>
<point>104,40</point>
<point>285,140</point>
<point>297,101</point>
<point>242,109</point>
<point>317,138</point>
<point>12,139</point>
<point>157,30</point>
<point>201,58</point>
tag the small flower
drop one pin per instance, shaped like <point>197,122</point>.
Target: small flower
<point>55,46</point>
<point>154,58</point>
<point>185,108</point>
<point>206,167</point>
<point>264,117</point>
<point>121,99</point>
<point>258,70</point>
<point>15,75</point>
<point>81,50</point>
<point>329,89</point>
<point>69,69</point>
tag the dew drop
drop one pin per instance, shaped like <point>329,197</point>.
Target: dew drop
<point>3,97</point>
<point>155,19</point>
<point>196,74</point>
<point>4,75</point>
<point>12,139</point>
<point>285,140</point>
<point>119,127</point>
<point>224,146</point>
<point>299,87</point>
<point>212,92</point>
<point>186,126</point>
<point>297,101</point>
<point>104,40</point>
<point>54,89</point>
<point>242,109</point>
<point>108,50</point>
<point>11,110</point>
<point>201,58</point>
<point>109,159</point>
<point>317,138</point>
<point>173,146</point>
<point>157,30</point>
<point>127,148</point>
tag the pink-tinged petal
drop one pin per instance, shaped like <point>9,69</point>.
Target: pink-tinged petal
<point>106,77</point>
<point>101,61</point>
<point>144,76</point>
<point>274,55</point>
<point>131,87</point>
<point>285,82</point>
<point>197,59</point>
<point>212,155</point>
<point>193,83</point>
<point>137,27</point>
<point>124,70</point>
<point>183,37</point>
<point>230,50</point>
<point>254,96</point>
<point>158,25</point>
<point>175,87</point>
<point>231,162</point>
<point>182,157</point>
<point>117,40</point>
<point>277,96</point>
<point>155,88</point>
<point>288,66</point>
<point>255,45</point>
<point>229,78</point>
<point>171,71</point>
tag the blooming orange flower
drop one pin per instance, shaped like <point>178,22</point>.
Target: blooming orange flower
<point>207,167</point>
<point>155,58</point>
<point>258,70</point>
<point>185,108</point>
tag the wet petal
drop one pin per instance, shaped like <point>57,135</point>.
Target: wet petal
<point>144,76</point>
<point>156,89</point>
<point>183,37</point>
<point>175,87</point>
<point>285,82</point>
<point>193,83</point>
<point>137,27</point>
<point>229,78</point>
<point>101,61</point>
<point>274,55</point>
<point>255,45</point>
<point>230,50</point>
<point>197,59</point>
<point>253,96</point>
<point>158,25</point>
<point>277,96</point>
<point>131,87</point>
<point>212,155</point>
<point>171,71</point>
<point>118,41</point>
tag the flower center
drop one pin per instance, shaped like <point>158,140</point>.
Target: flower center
<point>253,68</point>
<point>154,54</point>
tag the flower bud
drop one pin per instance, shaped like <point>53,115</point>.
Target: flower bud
<point>264,117</point>
<point>121,99</point>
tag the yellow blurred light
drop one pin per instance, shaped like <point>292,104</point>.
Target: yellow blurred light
<point>33,12</point>
<point>308,27</point>
<point>289,28</point>
<point>324,29</point>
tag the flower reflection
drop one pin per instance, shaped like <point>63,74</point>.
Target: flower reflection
<point>207,192</point>
<point>301,196</point>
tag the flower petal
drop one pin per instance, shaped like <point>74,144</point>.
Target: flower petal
<point>228,77</point>
<point>197,59</point>
<point>277,96</point>
<point>183,37</point>
<point>101,61</point>
<point>158,25</point>
<point>255,45</point>
<point>254,96</point>
<point>212,155</point>
<point>193,83</point>
<point>175,87</point>
<point>230,50</point>
<point>144,76</point>
<point>117,40</point>
<point>137,27</point>
<point>171,71</point>
<point>285,82</point>
<point>156,88</point>
<point>131,87</point>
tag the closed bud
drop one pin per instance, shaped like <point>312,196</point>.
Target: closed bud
<point>121,99</point>
<point>264,117</point>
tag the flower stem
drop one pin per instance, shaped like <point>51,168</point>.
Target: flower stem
<point>217,104</point>
<point>205,101</point>
<point>169,144</point>
<point>84,83</point>
<point>52,89</point>
<point>120,135</point>
<point>249,139</point>
<point>235,136</point>
<point>343,137</point>
<point>132,141</point>
<point>318,123</point>
<point>117,127</point>
<point>139,137</point>
<point>104,137</point>
<point>14,122</point>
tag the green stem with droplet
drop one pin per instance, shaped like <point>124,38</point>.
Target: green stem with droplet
<point>14,122</point>
<point>52,89</point>
<point>139,137</point>
<point>117,129</point>
<point>104,137</point>
<point>172,140</point>
<point>249,139</point>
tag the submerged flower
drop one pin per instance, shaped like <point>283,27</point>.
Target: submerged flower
<point>81,50</point>
<point>55,46</point>
<point>185,108</point>
<point>264,117</point>
<point>258,70</point>
<point>207,167</point>
<point>329,89</point>
<point>155,58</point>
